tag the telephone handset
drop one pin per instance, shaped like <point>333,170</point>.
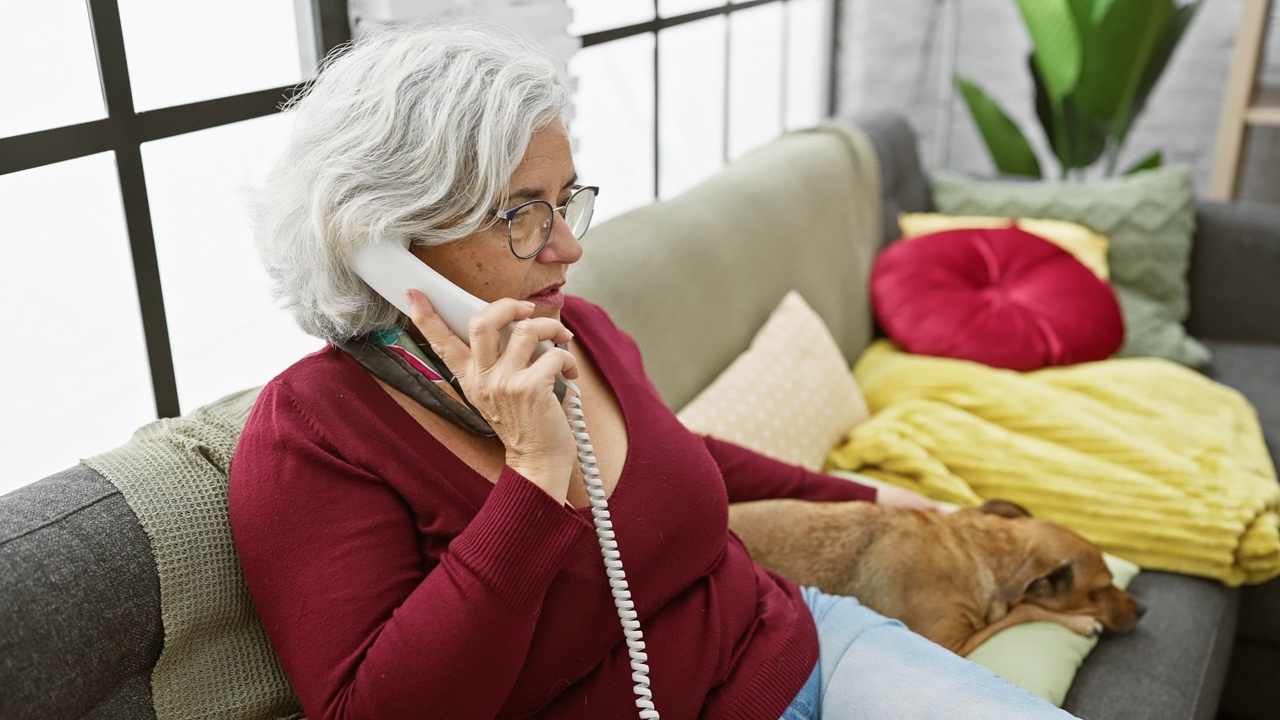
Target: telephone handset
<point>390,269</point>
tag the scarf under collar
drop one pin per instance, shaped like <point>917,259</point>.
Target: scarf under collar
<point>397,359</point>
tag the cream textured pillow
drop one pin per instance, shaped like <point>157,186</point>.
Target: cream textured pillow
<point>790,395</point>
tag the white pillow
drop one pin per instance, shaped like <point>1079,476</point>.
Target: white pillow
<point>790,395</point>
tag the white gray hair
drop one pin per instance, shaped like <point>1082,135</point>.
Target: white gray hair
<point>410,133</point>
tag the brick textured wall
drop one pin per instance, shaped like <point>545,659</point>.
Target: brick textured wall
<point>885,63</point>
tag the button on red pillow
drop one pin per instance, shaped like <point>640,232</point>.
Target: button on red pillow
<point>1003,297</point>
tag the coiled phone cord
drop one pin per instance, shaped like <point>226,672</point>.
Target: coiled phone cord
<point>609,550</point>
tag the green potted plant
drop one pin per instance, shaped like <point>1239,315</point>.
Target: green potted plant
<point>1094,63</point>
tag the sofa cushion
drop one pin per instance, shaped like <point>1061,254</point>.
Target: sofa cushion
<point>80,602</point>
<point>798,419</point>
<point>999,296</point>
<point>1149,218</point>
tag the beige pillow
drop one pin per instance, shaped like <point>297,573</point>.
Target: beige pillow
<point>790,395</point>
<point>1089,247</point>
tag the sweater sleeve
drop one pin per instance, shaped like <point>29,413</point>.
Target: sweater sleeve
<point>748,475</point>
<point>332,559</point>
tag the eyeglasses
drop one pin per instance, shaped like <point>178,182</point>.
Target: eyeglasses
<point>529,224</point>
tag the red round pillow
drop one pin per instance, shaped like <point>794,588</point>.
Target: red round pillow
<point>1000,296</point>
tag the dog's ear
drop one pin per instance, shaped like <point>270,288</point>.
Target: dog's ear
<point>1057,580</point>
<point>1003,508</point>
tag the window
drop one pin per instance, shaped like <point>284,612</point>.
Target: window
<point>669,91</point>
<point>130,128</point>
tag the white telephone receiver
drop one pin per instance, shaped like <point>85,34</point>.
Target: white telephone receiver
<point>390,269</point>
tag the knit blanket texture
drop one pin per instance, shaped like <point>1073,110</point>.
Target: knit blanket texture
<point>216,661</point>
<point>1151,461</point>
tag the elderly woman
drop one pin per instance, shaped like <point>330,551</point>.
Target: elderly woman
<point>407,503</point>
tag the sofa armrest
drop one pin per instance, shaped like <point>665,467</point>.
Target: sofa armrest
<point>1172,665</point>
<point>1235,272</point>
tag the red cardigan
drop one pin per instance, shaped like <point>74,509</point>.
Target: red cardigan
<point>393,581</point>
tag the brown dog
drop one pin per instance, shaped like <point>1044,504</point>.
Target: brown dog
<point>954,578</point>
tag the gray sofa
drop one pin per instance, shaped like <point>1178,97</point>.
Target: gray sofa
<point>80,602</point>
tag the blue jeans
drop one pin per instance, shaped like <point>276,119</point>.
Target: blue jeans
<point>872,667</point>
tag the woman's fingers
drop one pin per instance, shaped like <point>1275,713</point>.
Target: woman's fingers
<point>485,329</point>
<point>482,353</point>
<point>557,362</point>
<point>525,337</point>
<point>444,341</point>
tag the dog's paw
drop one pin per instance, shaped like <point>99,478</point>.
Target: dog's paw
<point>1084,625</point>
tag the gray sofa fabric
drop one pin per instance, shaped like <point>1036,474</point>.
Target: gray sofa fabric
<point>1235,274</point>
<point>1172,664</point>
<point>1253,369</point>
<point>79,602</point>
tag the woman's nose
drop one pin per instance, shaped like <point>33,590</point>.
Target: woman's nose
<point>562,246</point>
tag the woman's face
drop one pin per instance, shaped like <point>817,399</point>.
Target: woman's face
<point>483,264</point>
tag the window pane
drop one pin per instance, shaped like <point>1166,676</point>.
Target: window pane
<point>808,53</point>
<point>181,52</point>
<point>612,124</point>
<point>691,101</point>
<point>48,70</point>
<point>593,15</point>
<point>76,380</point>
<point>672,8</point>
<point>226,331</point>
<point>755,77</point>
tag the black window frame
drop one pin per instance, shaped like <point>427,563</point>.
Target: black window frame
<point>124,130</point>
<point>660,23</point>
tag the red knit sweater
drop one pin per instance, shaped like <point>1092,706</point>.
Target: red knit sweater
<point>395,582</point>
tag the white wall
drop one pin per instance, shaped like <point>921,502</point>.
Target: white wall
<point>883,58</point>
<point>546,21</point>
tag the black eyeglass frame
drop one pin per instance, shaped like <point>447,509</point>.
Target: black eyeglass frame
<point>510,215</point>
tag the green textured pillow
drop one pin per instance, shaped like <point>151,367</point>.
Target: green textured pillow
<point>1042,657</point>
<point>1149,219</point>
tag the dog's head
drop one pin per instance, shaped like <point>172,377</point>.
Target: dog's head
<point>1065,573</point>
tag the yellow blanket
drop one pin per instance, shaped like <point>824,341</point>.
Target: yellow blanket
<point>1150,460</point>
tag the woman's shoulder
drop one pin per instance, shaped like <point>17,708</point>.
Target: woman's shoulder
<point>316,381</point>
<point>325,365</point>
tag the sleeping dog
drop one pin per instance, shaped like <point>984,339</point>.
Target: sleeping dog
<point>955,578</point>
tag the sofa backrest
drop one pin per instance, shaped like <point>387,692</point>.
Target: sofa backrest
<point>692,279</point>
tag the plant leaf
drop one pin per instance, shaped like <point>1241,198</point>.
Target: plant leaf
<point>1077,140</point>
<point>1056,44</point>
<point>1009,148</point>
<point>1150,162</point>
<point>1168,42</point>
<point>1046,110</point>
<point>1087,136</point>
<point>1116,53</point>
<point>1099,11</point>
<point>1083,12</point>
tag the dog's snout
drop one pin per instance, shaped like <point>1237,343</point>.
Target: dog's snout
<point>1138,608</point>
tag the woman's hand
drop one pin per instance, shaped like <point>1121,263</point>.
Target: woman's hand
<point>898,497</point>
<point>516,396</point>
